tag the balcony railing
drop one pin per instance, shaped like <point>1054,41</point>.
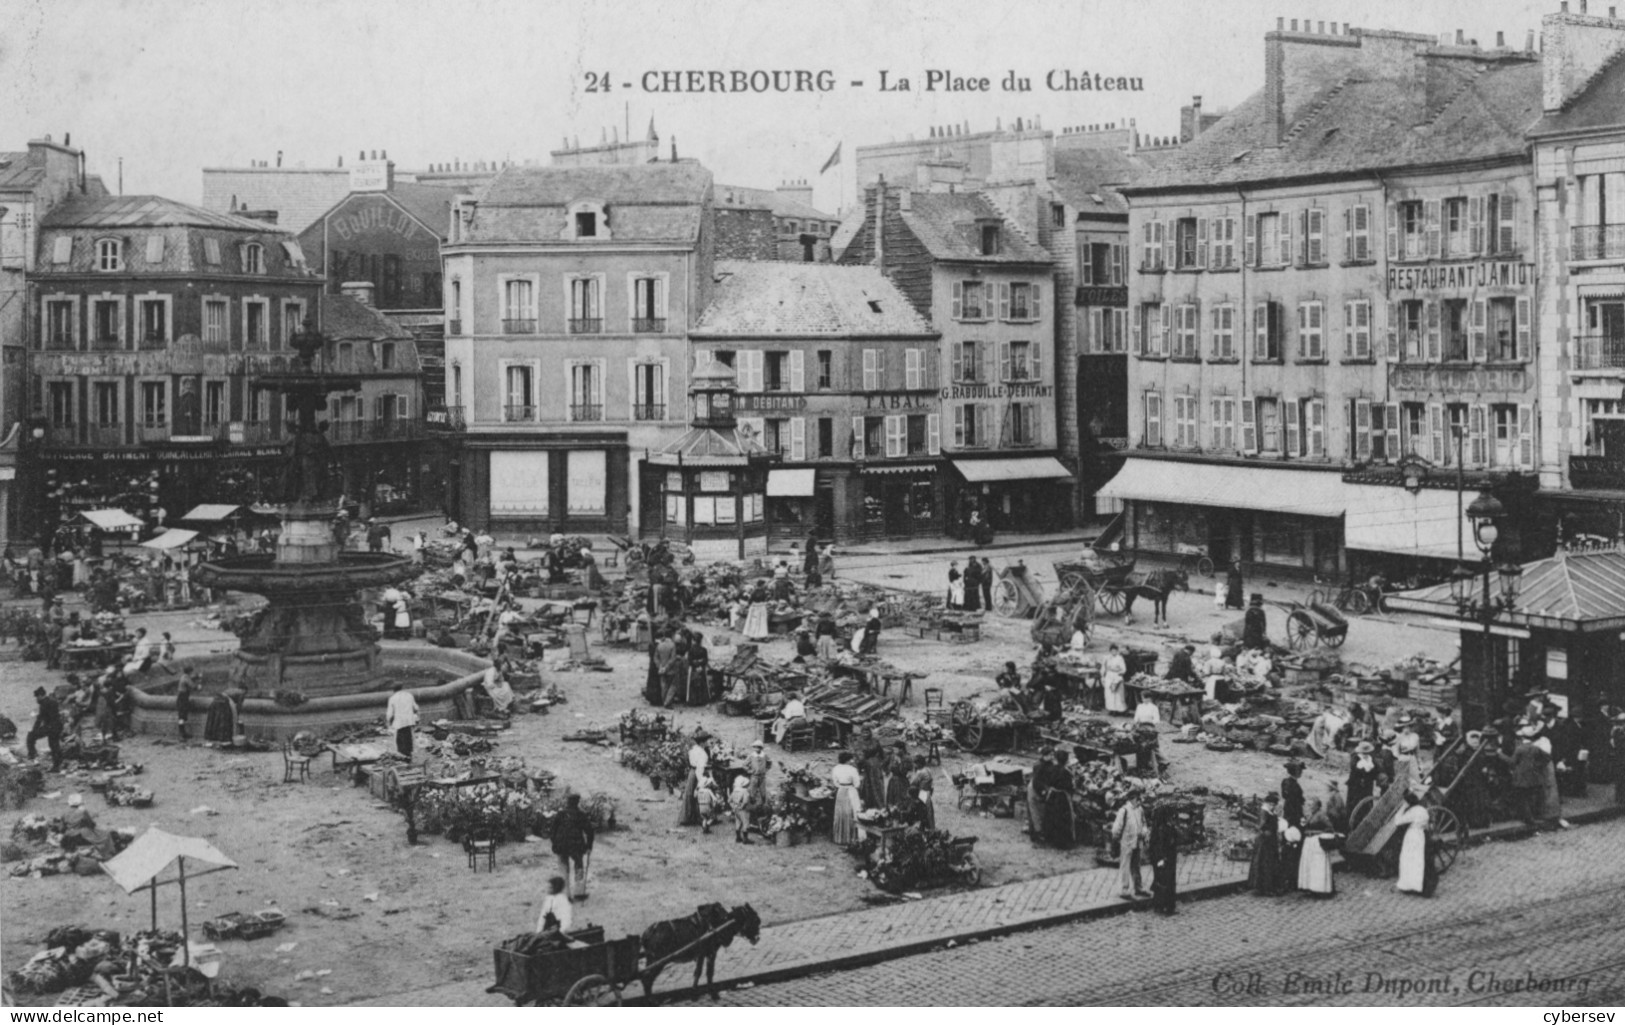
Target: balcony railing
<point>649,325</point>
<point>586,325</point>
<point>649,411</point>
<point>519,327</point>
<point>105,343</point>
<point>153,341</point>
<point>586,412</point>
<point>61,342</point>
<point>153,431</point>
<point>1599,352</point>
<point>343,432</point>
<point>446,418</point>
<point>1599,472</point>
<point>518,414</point>
<point>257,433</point>
<point>1597,242</point>
<point>454,327</point>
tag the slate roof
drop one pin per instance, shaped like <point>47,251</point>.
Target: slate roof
<point>848,231</point>
<point>345,318</point>
<point>1582,591</point>
<point>945,223</point>
<point>643,202</point>
<point>1084,178</point>
<point>707,446</point>
<point>17,173</point>
<point>146,212</point>
<point>782,206</point>
<point>1354,123</point>
<point>299,195</point>
<point>1598,104</point>
<point>430,204</point>
<point>806,299</point>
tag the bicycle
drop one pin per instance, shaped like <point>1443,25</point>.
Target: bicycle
<point>1194,559</point>
<point>1356,598</point>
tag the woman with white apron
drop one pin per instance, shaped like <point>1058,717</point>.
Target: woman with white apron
<point>1112,678</point>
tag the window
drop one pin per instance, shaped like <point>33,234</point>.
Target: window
<point>1108,331</point>
<point>777,371</point>
<point>649,391</point>
<point>1102,264</point>
<point>1313,433</point>
<point>154,403</point>
<point>1500,223</point>
<point>776,436</point>
<point>1407,337</point>
<point>917,436</point>
<point>991,243</point>
<point>1504,435</point>
<point>214,403</point>
<point>1414,428</point>
<point>1457,240</point>
<point>826,437</point>
<point>586,307</point>
<point>586,392</point>
<point>104,404</point>
<point>1269,425</point>
<point>216,317</point>
<point>1274,240</point>
<point>1224,331</point>
<point>1024,424</point>
<point>1185,243</point>
<point>1187,325</point>
<point>105,322</point>
<point>1357,233</point>
<point>1455,324</point>
<point>1020,362</point>
<point>456,311</point>
<point>60,397</point>
<point>293,321</point>
<point>1185,422</point>
<point>1357,329</point>
<point>1509,328</point>
<point>389,285</point>
<point>1222,251</point>
<point>1408,229</point>
<point>969,301</point>
<point>586,224</point>
<point>109,254</point>
<point>1022,301</point>
<point>518,306</point>
<point>826,369</point>
<point>59,324</point>
<point>968,360</point>
<point>874,436</point>
<point>211,252</point>
<point>386,355</point>
<point>648,305</point>
<point>1267,331</point>
<point>1151,246</point>
<point>344,357</point>
<point>747,366</point>
<point>1313,247</point>
<point>914,370</point>
<point>1153,330</point>
<point>255,315</point>
<point>1057,215</point>
<point>1311,331</point>
<point>253,258</point>
<point>1152,436</point>
<point>429,290</point>
<point>154,322</point>
<point>972,423</point>
<point>521,394</point>
<point>1222,421</point>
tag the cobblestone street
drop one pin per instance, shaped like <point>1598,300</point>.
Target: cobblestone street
<point>1544,908</point>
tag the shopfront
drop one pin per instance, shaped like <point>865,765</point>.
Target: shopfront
<point>570,484</point>
<point>899,501</point>
<point>1012,493</point>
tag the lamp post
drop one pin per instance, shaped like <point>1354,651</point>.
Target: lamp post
<point>1486,514</point>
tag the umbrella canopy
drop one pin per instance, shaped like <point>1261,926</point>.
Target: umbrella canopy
<point>139,865</point>
<point>210,513</point>
<point>112,519</point>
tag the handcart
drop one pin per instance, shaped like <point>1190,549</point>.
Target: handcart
<point>1310,625</point>
<point>1374,836</point>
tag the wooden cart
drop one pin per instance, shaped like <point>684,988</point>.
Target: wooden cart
<point>1018,594</point>
<point>589,975</point>
<point>1312,625</point>
<point>1107,579</point>
<point>1374,835</point>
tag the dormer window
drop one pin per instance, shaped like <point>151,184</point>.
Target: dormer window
<point>586,219</point>
<point>253,258</point>
<point>990,240</point>
<point>586,224</point>
<point>109,254</point>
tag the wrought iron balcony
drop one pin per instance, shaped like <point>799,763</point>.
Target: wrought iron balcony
<point>586,325</point>
<point>518,414</point>
<point>1599,352</point>
<point>1603,473</point>
<point>649,411</point>
<point>586,412</point>
<point>519,327</point>
<point>1597,242</point>
<point>445,418</point>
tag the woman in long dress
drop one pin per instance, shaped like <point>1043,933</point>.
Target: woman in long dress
<point>1416,871</point>
<point>1263,876</point>
<point>1112,678</point>
<point>1164,851</point>
<point>846,779</point>
<point>1315,865</point>
<point>956,586</point>
<point>971,585</point>
<point>756,628</point>
<point>699,763</point>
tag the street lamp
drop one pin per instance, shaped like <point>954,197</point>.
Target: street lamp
<point>1486,514</point>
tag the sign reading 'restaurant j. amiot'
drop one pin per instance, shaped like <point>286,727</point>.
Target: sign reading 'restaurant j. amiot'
<point>1461,276</point>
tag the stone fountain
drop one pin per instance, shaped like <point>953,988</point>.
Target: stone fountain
<point>309,660</point>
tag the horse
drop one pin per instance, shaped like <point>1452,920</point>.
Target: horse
<point>663,939</point>
<point>1156,587</point>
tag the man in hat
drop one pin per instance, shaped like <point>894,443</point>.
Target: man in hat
<point>1528,764</point>
<point>1128,828</point>
<point>1182,665</point>
<point>1255,625</point>
<point>401,715</point>
<point>1362,773</point>
<point>1292,794</point>
<point>47,724</point>
<point>756,765</point>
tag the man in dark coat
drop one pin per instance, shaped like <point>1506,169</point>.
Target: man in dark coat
<point>1362,774</point>
<point>1255,626</point>
<point>1164,854</point>
<point>572,844</point>
<point>973,585</point>
<point>1180,667</point>
<point>1232,587</point>
<point>47,724</point>
<point>1528,764</point>
<point>987,583</point>
<point>1292,794</point>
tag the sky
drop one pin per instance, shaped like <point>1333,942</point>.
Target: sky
<point>174,86</point>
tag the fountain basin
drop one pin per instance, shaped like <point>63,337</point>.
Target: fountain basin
<point>262,574</point>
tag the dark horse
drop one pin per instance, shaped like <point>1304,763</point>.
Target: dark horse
<point>1156,587</point>
<point>663,939</point>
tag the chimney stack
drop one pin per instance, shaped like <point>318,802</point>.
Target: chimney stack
<point>1274,89</point>
<point>1461,37</point>
<point>1500,41</point>
<point>880,223</point>
<point>360,291</point>
<point>279,158</point>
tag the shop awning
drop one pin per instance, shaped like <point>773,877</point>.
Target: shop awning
<point>790,483</point>
<point>1020,468</point>
<point>112,519</point>
<point>888,468</point>
<point>1391,519</point>
<point>174,537</point>
<point>1301,492</point>
<point>210,513</point>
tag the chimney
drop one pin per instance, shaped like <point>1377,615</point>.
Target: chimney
<point>279,158</point>
<point>1500,40</point>
<point>1575,48</point>
<point>879,224</point>
<point>1461,37</point>
<point>360,291</point>
<point>1274,89</point>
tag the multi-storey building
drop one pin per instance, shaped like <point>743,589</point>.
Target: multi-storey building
<point>1332,298</point>
<point>150,320</point>
<point>988,288</point>
<point>1579,148</point>
<point>32,182</point>
<point>570,292</point>
<point>776,224</point>
<point>837,375</point>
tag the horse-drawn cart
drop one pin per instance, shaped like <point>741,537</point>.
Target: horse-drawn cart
<point>1103,574</point>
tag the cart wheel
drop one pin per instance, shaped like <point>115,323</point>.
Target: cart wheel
<point>1006,601</point>
<point>1300,631</point>
<point>1335,640</point>
<point>971,871</point>
<point>1113,600</point>
<point>1358,603</point>
<point>593,991</point>
<point>1073,582</point>
<point>1361,809</point>
<point>970,736</point>
<point>1204,566</point>
<point>1450,836</point>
